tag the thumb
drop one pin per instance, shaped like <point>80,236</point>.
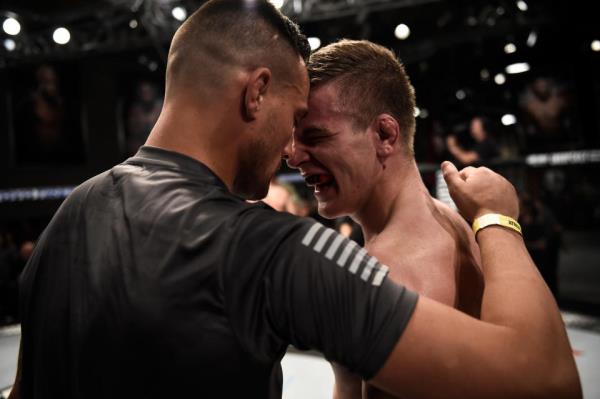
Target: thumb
<point>451,175</point>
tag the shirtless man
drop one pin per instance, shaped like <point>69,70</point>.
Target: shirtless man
<point>355,147</point>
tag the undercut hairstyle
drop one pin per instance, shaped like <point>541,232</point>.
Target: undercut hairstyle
<point>226,34</point>
<point>370,81</point>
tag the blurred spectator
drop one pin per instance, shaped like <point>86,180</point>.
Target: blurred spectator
<point>142,115</point>
<point>484,149</point>
<point>542,234</point>
<point>350,229</point>
<point>277,197</point>
<point>283,198</point>
<point>546,125</point>
<point>43,124</point>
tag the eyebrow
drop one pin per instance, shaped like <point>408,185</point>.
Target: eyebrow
<point>312,129</point>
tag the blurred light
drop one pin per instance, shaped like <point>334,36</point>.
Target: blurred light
<point>518,67</point>
<point>314,42</point>
<point>277,3</point>
<point>522,5</point>
<point>133,24</point>
<point>153,66</point>
<point>9,44</point>
<point>416,112</point>
<point>500,10</point>
<point>510,48</point>
<point>11,26</point>
<point>508,119</point>
<point>460,94</point>
<point>471,21</point>
<point>484,74</point>
<point>424,113</point>
<point>61,36</point>
<point>402,31</point>
<point>595,45</point>
<point>532,39</point>
<point>500,79</point>
<point>179,13</point>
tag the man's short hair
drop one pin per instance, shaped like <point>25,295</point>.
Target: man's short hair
<point>371,81</point>
<point>234,33</point>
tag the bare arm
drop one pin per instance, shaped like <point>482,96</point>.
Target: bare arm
<point>463,156</point>
<point>519,348</point>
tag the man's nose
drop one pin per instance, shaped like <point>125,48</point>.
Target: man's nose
<point>294,154</point>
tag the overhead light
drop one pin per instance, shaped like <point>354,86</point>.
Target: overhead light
<point>508,119</point>
<point>522,5</point>
<point>179,13</point>
<point>595,45</point>
<point>484,74</point>
<point>11,26</point>
<point>518,67</point>
<point>9,44</point>
<point>416,112</point>
<point>510,48</point>
<point>500,79</point>
<point>277,3</point>
<point>133,24</point>
<point>314,43</point>
<point>402,31</point>
<point>461,94</point>
<point>532,38</point>
<point>61,35</point>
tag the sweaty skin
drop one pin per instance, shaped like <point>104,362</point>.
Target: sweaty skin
<point>428,247</point>
<point>434,254</point>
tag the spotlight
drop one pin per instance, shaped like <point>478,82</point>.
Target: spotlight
<point>532,39</point>
<point>9,44</point>
<point>522,5</point>
<point>595,45</point>
<point>179,13</point>
<point>461,94</point>
<point>518,67</point>
<point>61,36</point>
<point>277,3</point>
<point>508,119</point>
<point>402,31</point>
<point>510,48</point>
<point>500,79</point>
<point>314,42</point>
<point>11,26</point>
<point>133,24</point>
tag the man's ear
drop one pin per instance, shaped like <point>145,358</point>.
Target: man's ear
<point>387,135</point>
<point>257,85</point>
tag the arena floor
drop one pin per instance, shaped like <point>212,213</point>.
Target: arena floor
<point>307,375</point>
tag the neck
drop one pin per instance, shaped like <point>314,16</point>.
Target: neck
<point>399,195</point>
<point>199,135</point>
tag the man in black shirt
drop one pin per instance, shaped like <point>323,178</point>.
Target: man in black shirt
<point>157,279</point>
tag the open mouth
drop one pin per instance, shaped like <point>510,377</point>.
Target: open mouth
<point>320,181</point>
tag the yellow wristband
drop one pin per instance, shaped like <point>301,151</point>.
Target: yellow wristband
<point>495,219</point>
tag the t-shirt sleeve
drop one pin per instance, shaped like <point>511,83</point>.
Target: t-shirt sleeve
<point>293,281</point>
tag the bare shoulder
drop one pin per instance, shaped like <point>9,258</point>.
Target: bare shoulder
<point>458,228</point>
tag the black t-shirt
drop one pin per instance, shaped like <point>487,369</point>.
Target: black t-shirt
<point>152,280</point>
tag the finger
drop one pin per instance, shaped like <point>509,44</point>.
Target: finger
<point>466,172</point>
<point>451,175</point>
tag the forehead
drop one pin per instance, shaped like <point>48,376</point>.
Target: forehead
<point>323,102</point>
